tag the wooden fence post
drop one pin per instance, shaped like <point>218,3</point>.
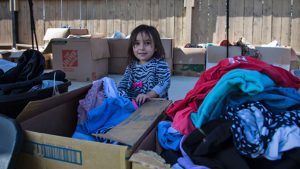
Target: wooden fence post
<point>189,4</point>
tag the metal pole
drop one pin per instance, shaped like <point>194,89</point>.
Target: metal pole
<point>227,28</point>
<point>14,23</point>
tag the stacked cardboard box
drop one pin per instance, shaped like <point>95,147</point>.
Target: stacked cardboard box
<point>189,61</point>
<point>278,56</point>
<point>82,59</point>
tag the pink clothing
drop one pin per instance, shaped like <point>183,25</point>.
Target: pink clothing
<point>180,110</point>
<point>94,98</point>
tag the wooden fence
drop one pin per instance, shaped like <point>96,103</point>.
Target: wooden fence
<point>259,21</point>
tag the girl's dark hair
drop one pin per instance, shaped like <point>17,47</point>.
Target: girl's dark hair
<point>151,32</point>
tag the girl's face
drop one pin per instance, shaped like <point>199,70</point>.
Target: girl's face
<point>143,47</point>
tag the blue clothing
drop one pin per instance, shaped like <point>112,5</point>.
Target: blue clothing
<point>141,78</point>
<point>102,118</point>
<point>5,65</point>
<point>276,99</point>
<point>248,81</point>
<point>168,137</point>
<point>111,112</point>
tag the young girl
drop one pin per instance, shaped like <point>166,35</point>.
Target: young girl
<point>147,75</point>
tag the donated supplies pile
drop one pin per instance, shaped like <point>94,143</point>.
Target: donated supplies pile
<point>241,113</point>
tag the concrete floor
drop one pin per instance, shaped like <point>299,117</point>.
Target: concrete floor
<point>180,85</point>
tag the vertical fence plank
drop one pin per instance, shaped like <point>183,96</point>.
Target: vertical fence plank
<point>257,22</point>
<point>295,33</point>
<point>39,20</point>
<point>179,16</point>
<point>24,22</point>
<point>91,23</point>
<point>162,18</point>
<point>220,21</point>
<point>236,12</point>
<point>267,21</point>
<point>170,18</point>
<point>110,17</point>
<point>5,23</point>
<point>248,20</point>
<point>103,16</point>
<point>131,14</point>
<point>84,12</point>
<point>154,13</point>
<point>147,12</point>
<point>124,16</point>
<point>52,14</point>
<point>117,15</point>
<point>286,23</point>
<point>212,19</point>
<point>200,22</point>
<point>139,12</point>
<point>276,22</point>
<point>64,14</point>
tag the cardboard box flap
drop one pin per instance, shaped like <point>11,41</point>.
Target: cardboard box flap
<point>73,31</point>
<point>34,108</point>
<point>189,55</point>
<point>133,129</point>
<point>52,33</point>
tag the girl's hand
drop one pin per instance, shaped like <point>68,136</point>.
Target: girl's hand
<point>141,98</point>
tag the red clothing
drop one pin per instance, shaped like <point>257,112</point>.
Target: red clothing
<point>180,110</point>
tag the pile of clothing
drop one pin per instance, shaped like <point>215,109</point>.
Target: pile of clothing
<point>26,81</point>
<point>241,113</point>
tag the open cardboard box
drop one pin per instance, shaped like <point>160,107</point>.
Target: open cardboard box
<point>278,56</point>
<point>216,53</point>
<point>49,124</point>
<point>189,61</point>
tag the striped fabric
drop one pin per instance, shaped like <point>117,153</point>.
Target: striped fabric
<point>137,79</point>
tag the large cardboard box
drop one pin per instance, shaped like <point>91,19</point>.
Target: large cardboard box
<point>189,61</point>
<point>48,125</point>
<point>216,53</point>
<point>278,56</point>
<point>82,59</point>
<point>119,54</point>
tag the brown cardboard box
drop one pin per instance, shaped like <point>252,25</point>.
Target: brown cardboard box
<point>49,124</point>
<point>216,53</point>
<point>119,54</point>
<point>189,61</point>
<point>82,59</point>
<point>278,56</point>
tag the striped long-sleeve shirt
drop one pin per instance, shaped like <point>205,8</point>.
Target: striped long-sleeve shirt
<point>141,78</point>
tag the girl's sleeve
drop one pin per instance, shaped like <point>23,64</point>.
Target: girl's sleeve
<point>125,83</point>
<point>164,78</point>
